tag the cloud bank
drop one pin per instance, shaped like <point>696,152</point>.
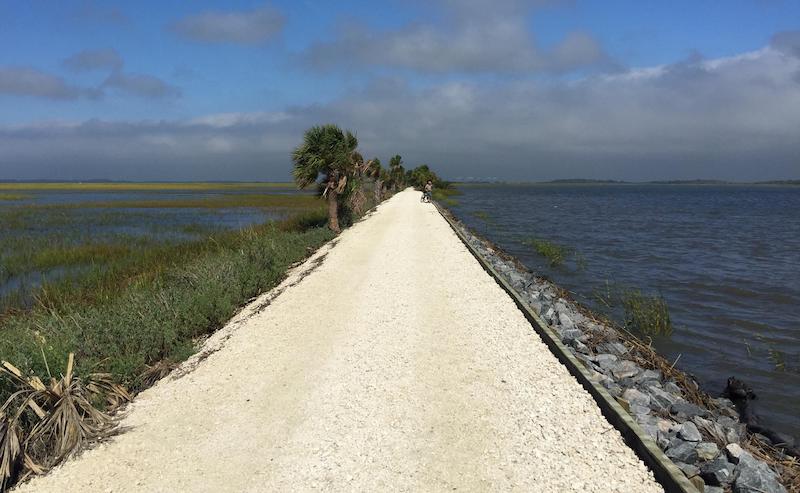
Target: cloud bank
<point>247,27</point>
<point>731,118</point>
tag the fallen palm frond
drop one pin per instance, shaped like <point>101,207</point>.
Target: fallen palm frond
<point>41,425</point>
<point>154,373</point>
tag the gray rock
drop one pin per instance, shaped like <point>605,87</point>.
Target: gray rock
<point>606,361</point>
<point>560,307</point>
<point>569,335</point>
<point>549,314</point>
<point>690,470</point>
<point>672,388</point>
<point>754,476</point>
<point>689,432</point>
<point>648,375</point>
<point>659,399</point>
<point>707,450</point>
<point>565,321</point>
<point>718,472</point>
<point>581,347</point>
<point>536,306</point>
<point>625,369</point>
<point>616,348</point>
<point>714,489</point>
<point>686,410</point>
<point>734,452</point>
<point>639,411</point>
<point>681,451</point>
<point>633,396</point>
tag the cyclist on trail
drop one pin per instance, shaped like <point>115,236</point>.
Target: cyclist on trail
<point>428,191</point>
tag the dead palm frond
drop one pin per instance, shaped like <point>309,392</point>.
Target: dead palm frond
<point>40,425</point>
<point>10,451</point>
<point>154,373</point>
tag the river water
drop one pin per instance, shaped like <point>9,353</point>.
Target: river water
<point>726,258</point>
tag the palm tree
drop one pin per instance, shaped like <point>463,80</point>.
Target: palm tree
<point>328,151</point>
<point>375,171</point>
<point>397,172</point>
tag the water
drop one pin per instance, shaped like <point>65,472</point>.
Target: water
<point>26,228</point>
<point>726,259</point>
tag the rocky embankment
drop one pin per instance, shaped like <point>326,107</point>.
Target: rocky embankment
<point>703,436</point>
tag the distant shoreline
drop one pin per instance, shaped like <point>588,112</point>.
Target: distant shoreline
<point>579,181</point>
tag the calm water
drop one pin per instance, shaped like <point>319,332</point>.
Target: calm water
<point>726,259</point>
<point>21,226</point>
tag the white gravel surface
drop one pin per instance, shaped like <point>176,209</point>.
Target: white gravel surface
<point>389,361</point>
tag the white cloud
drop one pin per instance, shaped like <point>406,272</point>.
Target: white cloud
<point>731,118</point>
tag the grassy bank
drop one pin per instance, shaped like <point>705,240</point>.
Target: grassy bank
<point>154,310</point>
<point>142,187</point>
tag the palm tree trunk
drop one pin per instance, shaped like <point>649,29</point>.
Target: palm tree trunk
<point>378,190</point>
<point>333,210</point>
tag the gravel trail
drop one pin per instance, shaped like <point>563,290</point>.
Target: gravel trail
<point>389,361</point>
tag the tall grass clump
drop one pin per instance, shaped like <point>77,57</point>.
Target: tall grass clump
<point>445,196</point>
<point>646,314</point>
<point>553,252</point>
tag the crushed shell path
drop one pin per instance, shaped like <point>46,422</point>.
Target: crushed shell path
<point>389,361</point>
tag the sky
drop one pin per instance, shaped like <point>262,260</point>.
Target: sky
<point>518,90</point>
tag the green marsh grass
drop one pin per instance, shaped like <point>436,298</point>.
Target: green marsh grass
<point>118,187</point>
<point>223,201</point>
<point>646,314</point>
<point>553,252</point>
<point>13,196</point>
<point>445,196</point>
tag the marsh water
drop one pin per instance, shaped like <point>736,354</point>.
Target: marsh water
<point>726,259</point>
<point>38,219</point>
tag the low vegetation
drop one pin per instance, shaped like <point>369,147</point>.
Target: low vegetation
<point>13,196</point>
<point>553,252</point>
<point>139,187</point>
<point>646,314</point>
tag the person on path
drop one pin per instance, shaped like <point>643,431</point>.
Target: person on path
<point>428,190</point>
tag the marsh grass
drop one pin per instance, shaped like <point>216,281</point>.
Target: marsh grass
<point>445,196</point>
<point>13,196</point>
<point>133,321</point>
<point>118,187</point>
<point>646,314</point>
<point>222,201</point>
<point>553,252</point>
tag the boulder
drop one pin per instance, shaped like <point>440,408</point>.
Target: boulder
<point>717,472</point>
<point>690,470</point>
<point>616,348</point>
<point>681,451</point>
<point>734,452</point>
<point>570,335</point>
<point>625,369</point>
<point>689,432</point>
<point>633,396</point>
<point>605,361</point>
<point>660,399</point>
<point>707,450</point>
<point>754,476</point>
<point>686,410</point>
<point>565,321</point>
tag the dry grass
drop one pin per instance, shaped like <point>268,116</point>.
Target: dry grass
<point>42,424</point>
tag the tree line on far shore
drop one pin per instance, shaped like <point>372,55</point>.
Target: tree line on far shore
<point>351,185</point>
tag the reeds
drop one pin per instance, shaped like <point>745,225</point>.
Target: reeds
<point>646,314</point>
<point>118,187</point>
<point>554,253</point>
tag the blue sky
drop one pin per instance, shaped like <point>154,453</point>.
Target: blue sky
<point>517,89</point>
